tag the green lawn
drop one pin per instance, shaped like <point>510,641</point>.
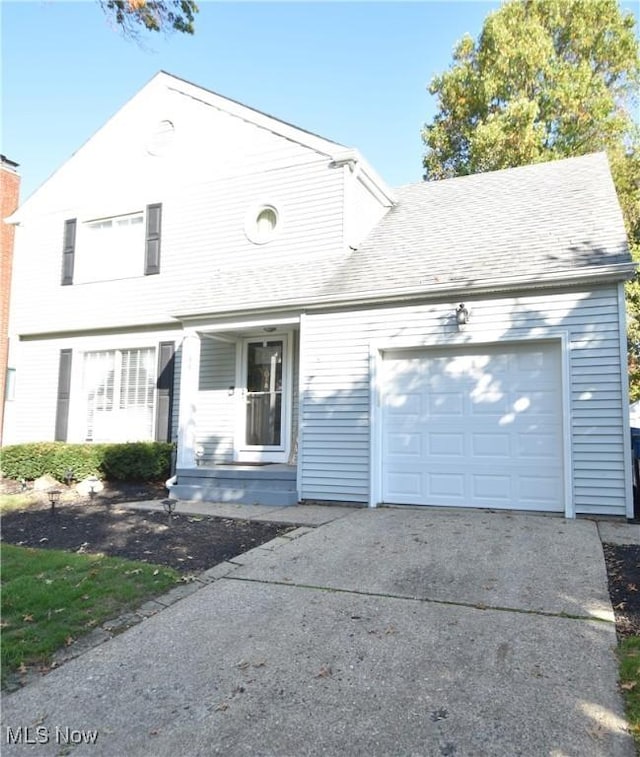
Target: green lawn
<point>51,597</point>
<point>629,654</point>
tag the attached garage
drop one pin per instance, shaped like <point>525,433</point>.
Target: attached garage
<point>475,426</point>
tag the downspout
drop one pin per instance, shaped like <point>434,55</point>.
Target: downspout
<point>170,483</point>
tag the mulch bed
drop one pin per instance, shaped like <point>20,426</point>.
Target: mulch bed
<point>623,572</point>
<point>188,543</point>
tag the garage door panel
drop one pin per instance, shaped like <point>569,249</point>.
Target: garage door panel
<point>539,489</point>
<point>538,445</point>
<point>405,444</point>
<point>478,429</point>
<point>491,487</point>
<point>406,404</point>
<point>446,484</point>
<point>405,484</point>
<point>445,443</point>
<point>445,403</point>
<point>491,445</point>
<point>496,404</point>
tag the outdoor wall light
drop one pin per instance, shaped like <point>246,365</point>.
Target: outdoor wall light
<point>54,498</point>
<point>462,315</point>
<point>199,454</point>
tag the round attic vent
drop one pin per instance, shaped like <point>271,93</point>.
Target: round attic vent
<point>161,138</point>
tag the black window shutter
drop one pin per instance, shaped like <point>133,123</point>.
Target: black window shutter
<point>152,245</point>
<point>164,405</point>
<point>64,394</point>
<point>68,251</point>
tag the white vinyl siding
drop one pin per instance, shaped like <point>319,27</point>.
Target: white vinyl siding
<point>217,402</point>
<point>202,231</point>
<point>37,381</point>
<point>336,403</point>
<point>363,210</point>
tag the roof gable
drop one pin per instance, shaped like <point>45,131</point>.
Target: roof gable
<point>174,128</point>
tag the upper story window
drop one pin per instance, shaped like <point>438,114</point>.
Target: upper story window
<point>110,248</point>
<point>262,224</point>
<point>117,247</point>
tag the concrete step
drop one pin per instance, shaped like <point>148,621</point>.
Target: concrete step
<point>250,485</point>
<point>236,494</point>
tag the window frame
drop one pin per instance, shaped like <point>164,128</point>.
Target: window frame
<point>89,268</point>
<point>252,219</point>
<point>118,390</point>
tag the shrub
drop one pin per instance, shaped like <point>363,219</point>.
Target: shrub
<point>136,461</point>
<point>30,461</point>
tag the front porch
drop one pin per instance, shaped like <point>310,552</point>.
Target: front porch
<point>238,413</point>
<point>270,484</point>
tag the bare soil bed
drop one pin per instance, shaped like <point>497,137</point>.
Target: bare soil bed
<point>188,543</point>
<point>623,572</point>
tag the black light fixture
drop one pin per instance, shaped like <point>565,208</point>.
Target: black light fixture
<point>462,315</point>
<point>169,507</point>
<point>54,498</point>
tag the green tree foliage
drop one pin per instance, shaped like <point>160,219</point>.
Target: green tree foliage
<point>546,79</point>
<point>153,15</point>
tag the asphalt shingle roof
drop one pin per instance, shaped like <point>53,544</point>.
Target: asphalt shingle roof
<point>513,225</point>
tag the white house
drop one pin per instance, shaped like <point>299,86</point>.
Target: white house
<point>203,272</point>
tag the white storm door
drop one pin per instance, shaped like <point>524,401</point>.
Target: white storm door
<point>265,380</point>
<point>474,427</point>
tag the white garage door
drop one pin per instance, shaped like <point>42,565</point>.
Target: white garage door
<point>473,427</point>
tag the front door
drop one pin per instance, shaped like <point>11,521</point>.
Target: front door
<point>263,429</point>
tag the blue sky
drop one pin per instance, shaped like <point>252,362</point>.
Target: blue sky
<point>356,73</point>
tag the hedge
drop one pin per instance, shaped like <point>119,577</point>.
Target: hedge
<point>133,461</point>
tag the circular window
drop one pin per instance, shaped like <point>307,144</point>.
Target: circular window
<point>262,224</point>
<point>161,138</point>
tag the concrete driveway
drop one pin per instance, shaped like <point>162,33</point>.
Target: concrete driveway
<point>381,632</point>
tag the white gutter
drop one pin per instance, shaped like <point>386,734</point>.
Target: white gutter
<point>367,174</point>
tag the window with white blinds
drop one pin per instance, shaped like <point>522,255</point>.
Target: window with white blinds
<point>119,389</point>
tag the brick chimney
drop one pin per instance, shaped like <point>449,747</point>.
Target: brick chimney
<point>9,194</point>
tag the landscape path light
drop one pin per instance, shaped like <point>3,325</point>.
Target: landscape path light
<point>93,481</point>
<point>54,499</point>
<point>169,507</point>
